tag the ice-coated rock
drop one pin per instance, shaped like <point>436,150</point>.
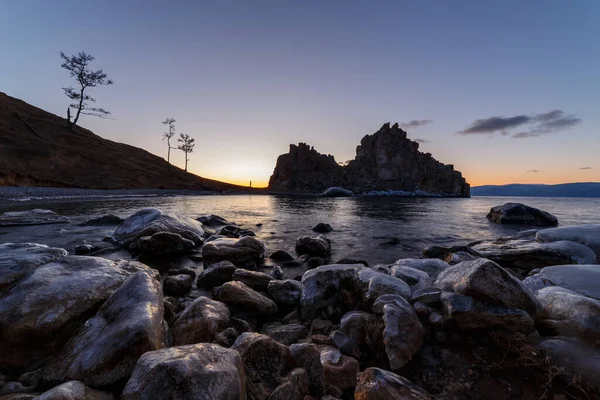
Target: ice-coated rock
<point>517,213</point>
<point>108,346</point>
<point>238,251</point>
<point>314,247</point>
<point>486,281</point>
<point>32,217</point>
<point>469,314</point>
<point>588,235</point>
<point>287,292</point>
<point>375,284</point>
<point>197,371</point>
<point>432,266</point>
<point>566,313</point>
<point>379,384</point>
<point>583,279</point>
<point>148,221</point>
<point>238,294</point>
<point>200,322</point>
<point>415,278</point>
<point>216,275</point>
<point>75,390</point>
<point>256,280</point>
<point>336,192</point>
<point>528,255</point>
<point>42,310</point>
<point>18,259</point>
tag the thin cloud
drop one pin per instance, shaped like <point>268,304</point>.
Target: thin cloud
<point>584,168</point>
<point>421,140</point>
<point>540,124</point>
<point>533,170</point>
<point>415,123</point>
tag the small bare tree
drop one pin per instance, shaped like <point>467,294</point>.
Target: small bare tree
<point>186,145</point>
<point>168,135</point>
<point>78,67</point>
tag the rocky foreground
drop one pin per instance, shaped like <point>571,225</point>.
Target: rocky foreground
<point>517,317</point>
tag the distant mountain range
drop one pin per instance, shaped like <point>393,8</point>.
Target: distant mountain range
<point>578,189</point>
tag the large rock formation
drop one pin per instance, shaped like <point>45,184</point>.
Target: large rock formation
<point>385,161</point>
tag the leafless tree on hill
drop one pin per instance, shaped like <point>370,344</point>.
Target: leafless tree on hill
<point>186,145</point>
<point>168,135</point>
<point>78,67</point>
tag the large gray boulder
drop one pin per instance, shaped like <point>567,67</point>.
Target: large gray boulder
<point>256,280</point>
<point>239,295</point>
<point>517,213</point>
<point>216,275</point>
<point>148,221</point>
<point>286,292</point>
<point>583,279</point>
<point>374,284</point>
<point>198,371</point>
<point>18,259</point>
<point>486,281</point>
<point>108,346</point>
<point>200,322</point>
<point>588,235</point>
<point>469,314</point>
<point>74,390</point>
<point>403,334</point>
<point>314,247</point>
<point>528,255</point>
<point>379,384</point>
<point>567,313</point>
<point>32,217</point>
<point>432,266</point>
<point>237,251</point>
<point>43,309</point>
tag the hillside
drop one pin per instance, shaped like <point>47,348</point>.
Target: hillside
<point>36,149</point>
<point>579,189</point>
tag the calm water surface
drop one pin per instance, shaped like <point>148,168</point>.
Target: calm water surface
<point>376,229</point>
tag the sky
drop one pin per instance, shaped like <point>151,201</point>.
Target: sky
<point>507,91</point>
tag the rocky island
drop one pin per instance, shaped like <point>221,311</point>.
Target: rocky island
<point>386,161</point>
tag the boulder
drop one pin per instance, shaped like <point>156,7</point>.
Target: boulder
<point>574,360</point>
<point>587,235</point>
<point>266,360</point>
<point>458,257</point>
<point>18,259</point>
<point>276,272</point>
<point>197,371</point>
<point>339,370</point>
<point>486,281</point>
<point>358,325</point>
<point>238,251</point>
<point>344,344</point>
<point>162,243</point>
<point>31,217</point>
<point>379,384</point>
<point>413,277</point>
<point>104,220</point>
<point>441,251</point>
<point>75,390</point>
<point>148,221</point>
<point>108,346</point>
<point>583,279</point>
<point>200,322</point>
<point>287,334</point>
<point>469,314</point>
<point>432,266</point>
<point>322,228</point>
<point>238,294</point>
<point>336,192</point>
<point>256,280</point>
<point>216,275</point>
<point>528,255</point>
<point>314,247</point>
<point>430,295</point>
<point>403,334</point>
<point>213,220</point>
<point>295,387</point>
<point>308,357</point>
<point>232,231</point>
<point>283,257</point>
<point>43,309</point>
<point>566,313</point>
<point>177,285</point>
<point>517,213</point>
<point>374,284</point>
<point>287,292</point>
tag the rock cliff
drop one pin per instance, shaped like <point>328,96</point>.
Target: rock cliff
<point>385,161</point>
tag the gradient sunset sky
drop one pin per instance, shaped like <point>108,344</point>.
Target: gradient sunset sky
<point>507,91</point>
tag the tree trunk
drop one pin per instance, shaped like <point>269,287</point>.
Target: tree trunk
<point>79,108</point>
<point>186,160</point>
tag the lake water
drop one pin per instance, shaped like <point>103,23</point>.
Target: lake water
<point>375,229</point>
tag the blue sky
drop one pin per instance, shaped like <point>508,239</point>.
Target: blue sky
<point>246,78</point>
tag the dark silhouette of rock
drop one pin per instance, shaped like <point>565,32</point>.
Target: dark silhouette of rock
<point>322,228</point>
<point>385,161</point>
<point>517,213</point>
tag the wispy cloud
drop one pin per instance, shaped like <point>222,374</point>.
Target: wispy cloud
<point>533,170</point>
<point>415,123</point>
<point>540,124</point>
<point>418,140</point>
<point>586,168</point>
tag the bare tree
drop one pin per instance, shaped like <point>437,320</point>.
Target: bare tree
<point>168,135</point>
<point>78,67</point>
<point>187,145</point>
